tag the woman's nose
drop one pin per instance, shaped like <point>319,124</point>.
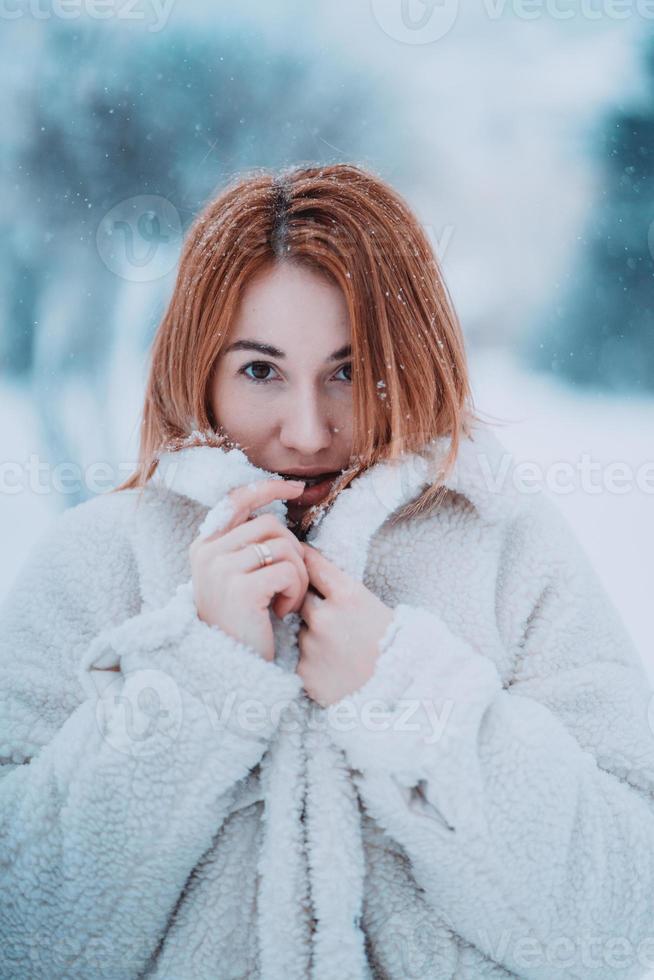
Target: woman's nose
<point>306,426</point>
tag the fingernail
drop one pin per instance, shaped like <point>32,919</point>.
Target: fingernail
<point>296,483</point>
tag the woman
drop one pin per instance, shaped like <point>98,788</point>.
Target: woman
<point>390,725</point>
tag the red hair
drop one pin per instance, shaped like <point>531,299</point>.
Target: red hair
<point>409,371</point>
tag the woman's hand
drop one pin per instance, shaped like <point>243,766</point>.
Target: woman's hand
<point>230,588</point>
<point>339,644</point>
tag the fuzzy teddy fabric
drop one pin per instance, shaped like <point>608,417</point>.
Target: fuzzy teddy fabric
<point>481,807</point>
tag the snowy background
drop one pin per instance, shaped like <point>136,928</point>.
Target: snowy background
<point>522,135</point>
<point>523,138</point>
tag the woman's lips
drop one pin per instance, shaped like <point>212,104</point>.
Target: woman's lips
<point>313,494</point>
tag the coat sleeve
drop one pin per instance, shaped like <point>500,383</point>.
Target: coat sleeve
<point>113,783</point>
<point>525,806</point>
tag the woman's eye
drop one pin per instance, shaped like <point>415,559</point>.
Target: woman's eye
<point>257,365</point>
<point>347,367</point>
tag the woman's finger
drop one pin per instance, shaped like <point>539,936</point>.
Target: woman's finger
<point>248,498</point>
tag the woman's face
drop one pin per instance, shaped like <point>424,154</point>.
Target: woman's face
<point>282,386</point>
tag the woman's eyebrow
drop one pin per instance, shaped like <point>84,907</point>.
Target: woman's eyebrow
<point>271,351</point>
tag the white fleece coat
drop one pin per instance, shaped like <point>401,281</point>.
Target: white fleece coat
<point>481,807</point>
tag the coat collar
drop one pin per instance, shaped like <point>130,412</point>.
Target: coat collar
<point>483,474</point>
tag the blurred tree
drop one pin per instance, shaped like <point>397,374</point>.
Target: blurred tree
<point>110,113</point>
<point>600,331</point>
